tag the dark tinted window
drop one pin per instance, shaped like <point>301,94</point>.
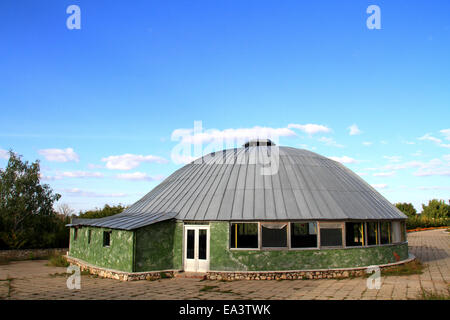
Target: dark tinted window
<point>304,235</point>
<point>330,237</point>
<point>273,237</point>
<point>385,232</point>
<point>202,244</point>
<point>190,244</point>
<point>372,233</point>
<point>354,234</point>
<point>106,238</point>
<point>244,235</point>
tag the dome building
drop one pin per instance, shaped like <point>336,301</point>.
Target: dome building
<point>230,211</point>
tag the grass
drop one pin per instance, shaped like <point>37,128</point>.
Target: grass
<point>57,261</point>
<point>208,288</point>
<point>60,274</point>
<point>430,295</point>
<point>9,284</point>
<point>217,289</point>
<point>164,275</point>
<point>414,267</point>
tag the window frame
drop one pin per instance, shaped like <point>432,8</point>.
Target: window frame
<point>404,234</point>
<point>305,248</point>
<point>389,233</point>
<point>110,234</point>
<point>342,223</point>
<point>287,247</point>
<point>244,249</point>
<point>364,235</point>
<point>89,235</point>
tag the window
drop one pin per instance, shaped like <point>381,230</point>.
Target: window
<point>330,234</point>
<point>403,231</point>
<point>372,233</point>
<point>75,233</point>
<point>385,232</point>
<point>190,246</point>
<point>354,234</point>
<point>106,238</point>
<point>89,236</point>
<point>244,235</point>
<point>304,235</point>
<point>202,244</point>
<point>274,235</point>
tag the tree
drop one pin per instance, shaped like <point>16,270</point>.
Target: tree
<point>23,201</point>
<point>407,208</point>
<point>436,209</point>
<point>100,213</point>
<point>65,210</point>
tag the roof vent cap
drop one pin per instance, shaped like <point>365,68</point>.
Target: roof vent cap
<point>258,142</point>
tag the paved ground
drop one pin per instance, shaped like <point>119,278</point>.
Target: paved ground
<point>36,280</point>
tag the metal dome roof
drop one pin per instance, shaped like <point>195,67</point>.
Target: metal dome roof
<point>307,186</point>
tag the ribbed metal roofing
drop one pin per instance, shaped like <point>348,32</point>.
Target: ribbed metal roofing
<point>307,186</point>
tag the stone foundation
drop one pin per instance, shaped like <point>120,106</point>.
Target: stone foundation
<point>120,275</point>
<point>299,274</point>
<point>230,275</point>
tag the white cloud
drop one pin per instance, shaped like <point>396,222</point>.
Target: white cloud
<point>432,172</point>
<point>393,158</point>
<point>409,142</point>
<point>81,174</point>
<point>429,137</point>
<point>4,154</point>
<point>330,142</point>
<point>310,128</point>
<point>130,161</point>
<point>384,174</point>
<point>59,155</point>
<point>82,193</point>
<point>367,143</point>
<point>434,167</point>
<point>406,165</point>
<point>344,159</point>
<point>139,176</point>
<point>379,186</point>
<point>72,174</point>
<point>354,130</point>
<point>95,166</point>
<point>434,188</point>
<point>445,133</point>
<point>361,174</point>
<point>198,136</point>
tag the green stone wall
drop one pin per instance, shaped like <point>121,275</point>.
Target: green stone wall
<point>118,256</point>
<point>224,259</point>
<point>159,246</point>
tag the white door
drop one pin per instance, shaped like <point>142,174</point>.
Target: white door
<point>196,248</point>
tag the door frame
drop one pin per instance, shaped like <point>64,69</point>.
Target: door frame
<point>196,227</point>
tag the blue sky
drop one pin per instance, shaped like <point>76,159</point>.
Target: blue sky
<point>79,100</point>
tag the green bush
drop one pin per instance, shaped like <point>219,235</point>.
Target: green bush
<point>426,222</point>
<point>58,261</point>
